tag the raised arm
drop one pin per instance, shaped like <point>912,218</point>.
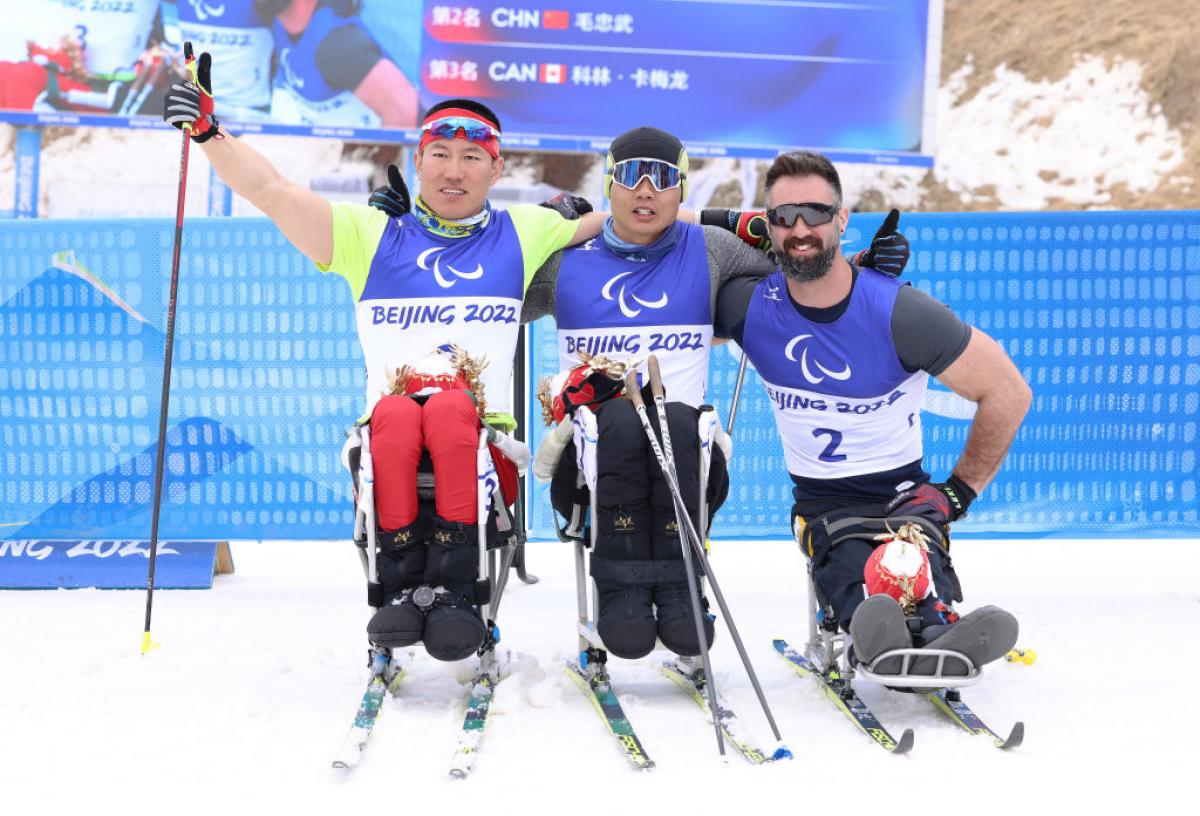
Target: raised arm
<point>305,218</point>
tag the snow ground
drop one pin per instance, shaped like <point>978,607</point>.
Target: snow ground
<point>258,679</point>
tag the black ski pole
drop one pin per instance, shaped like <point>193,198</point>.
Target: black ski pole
<point>635,396</point>
<point>147,643</point>
<point>737,394</point>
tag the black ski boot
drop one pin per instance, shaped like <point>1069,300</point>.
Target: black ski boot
<point>401,566</point>
<point>676,626</point>
<point>401,623</point>
<point>625,621</point>
<point>454,629</point>
<point>672,601</point>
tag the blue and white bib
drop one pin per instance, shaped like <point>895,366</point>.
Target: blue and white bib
<point>423,290</point>
<point>843,403</point>
<point>626,309</point>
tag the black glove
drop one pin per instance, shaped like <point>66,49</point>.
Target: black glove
<point>749,225</point>
<point>393,197</point>
<point>188,105</point>
<point>888,252</point>
<point>940,502</point>
<point>568,206</point>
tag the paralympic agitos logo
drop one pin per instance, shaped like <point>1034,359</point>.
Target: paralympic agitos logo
<point>626,309</point>
<point>789,351</point>
<point>439,276</point>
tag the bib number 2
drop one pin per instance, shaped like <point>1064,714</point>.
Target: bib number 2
<point>835,439</point>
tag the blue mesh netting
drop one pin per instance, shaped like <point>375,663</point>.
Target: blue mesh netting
<point>1101,311</point>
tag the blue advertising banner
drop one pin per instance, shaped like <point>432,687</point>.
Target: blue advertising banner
<point>1099,310</point>
<point>726,77</point>
<point>856,79</point>
<point>50,564</point>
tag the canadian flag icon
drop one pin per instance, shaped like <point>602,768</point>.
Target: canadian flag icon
<point>553,73</point>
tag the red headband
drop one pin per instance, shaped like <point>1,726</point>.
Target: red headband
<point>491,144</point>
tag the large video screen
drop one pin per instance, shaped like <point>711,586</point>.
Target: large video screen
<point>854,79</point>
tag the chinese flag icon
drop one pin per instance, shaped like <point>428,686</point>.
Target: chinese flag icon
<point>556,19</point>
<point>553,73</point>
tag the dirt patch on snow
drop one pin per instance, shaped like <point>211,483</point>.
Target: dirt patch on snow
<point>1045,39</point>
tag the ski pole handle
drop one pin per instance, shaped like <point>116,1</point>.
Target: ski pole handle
<point>656,386</point>
<point>633,390</point>
<point>189,64</point>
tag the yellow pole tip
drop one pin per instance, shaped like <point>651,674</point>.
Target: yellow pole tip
<point>147,643</point>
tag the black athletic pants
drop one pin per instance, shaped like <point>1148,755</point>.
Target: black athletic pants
<point>637,563</point>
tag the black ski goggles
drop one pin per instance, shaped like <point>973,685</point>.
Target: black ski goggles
<point>663,176</point>
<point>814,215</point>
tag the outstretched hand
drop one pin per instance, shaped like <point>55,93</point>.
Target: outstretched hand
<point>188,105</point>
<point>392,198</point>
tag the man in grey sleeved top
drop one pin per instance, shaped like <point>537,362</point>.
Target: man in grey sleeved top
<point>845,354</point>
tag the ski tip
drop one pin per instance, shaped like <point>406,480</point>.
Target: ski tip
<point>1015,737</point>
<point>458,773</point>
<point>906,742</point>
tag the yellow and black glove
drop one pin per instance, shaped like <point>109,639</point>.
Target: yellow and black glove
<point>189,105</point>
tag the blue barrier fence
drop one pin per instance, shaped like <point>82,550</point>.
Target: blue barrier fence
<point>1101,311</point>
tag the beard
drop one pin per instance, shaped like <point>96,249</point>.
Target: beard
<point>815,267</point>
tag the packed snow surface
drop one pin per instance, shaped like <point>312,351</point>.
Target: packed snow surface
<point>258,679</point>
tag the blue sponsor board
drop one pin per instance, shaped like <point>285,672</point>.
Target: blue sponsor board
<point>114,564</point>
<point>1099,310</point>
